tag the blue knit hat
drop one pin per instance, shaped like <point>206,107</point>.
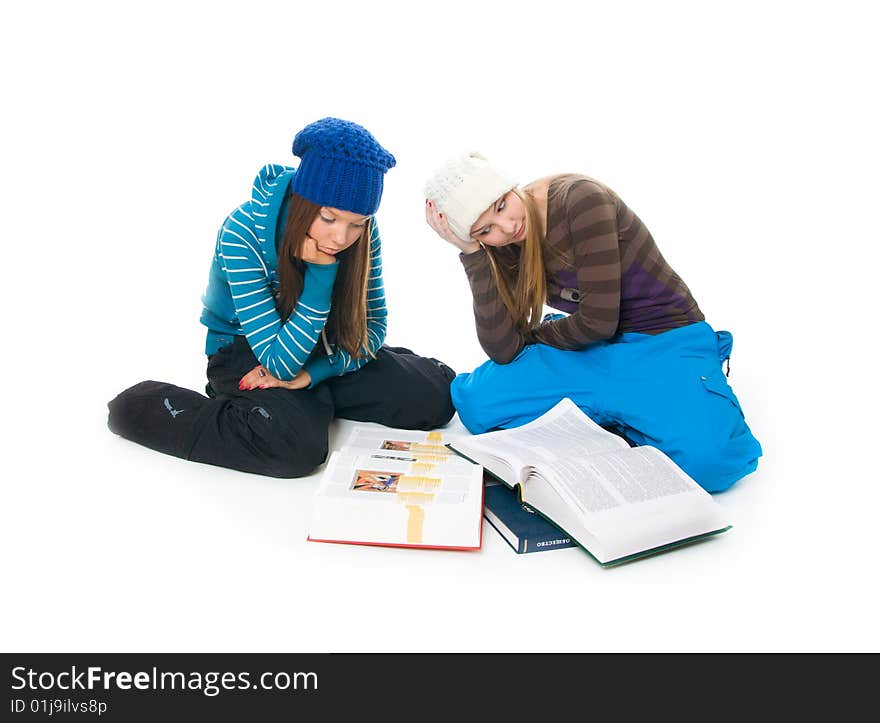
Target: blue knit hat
<point>342,166</point>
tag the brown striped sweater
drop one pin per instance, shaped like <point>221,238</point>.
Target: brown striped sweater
<point>603,268</point>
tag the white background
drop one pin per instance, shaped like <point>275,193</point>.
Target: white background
<point>744,137</point>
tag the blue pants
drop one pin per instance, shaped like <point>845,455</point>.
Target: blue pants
<point>666,390</point>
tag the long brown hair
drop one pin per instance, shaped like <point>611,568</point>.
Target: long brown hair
<point>347,324</point>
<point>519,274</point>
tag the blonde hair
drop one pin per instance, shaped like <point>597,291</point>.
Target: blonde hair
<point>522,282</point>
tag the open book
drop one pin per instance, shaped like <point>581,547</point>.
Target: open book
<point>396,487</point>
<point>615,501</point>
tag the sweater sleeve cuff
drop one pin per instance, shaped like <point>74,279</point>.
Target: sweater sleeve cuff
<point>318,281</point>
<point>319,369</point>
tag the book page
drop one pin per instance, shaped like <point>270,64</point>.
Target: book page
<point>427,446</point>
<point>398,487</point>
<point>601,481</point>
<point>628,501</point>
<point>564,431</point>
<point>396,476</point>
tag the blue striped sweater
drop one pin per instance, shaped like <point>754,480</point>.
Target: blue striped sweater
<point>239,299</point>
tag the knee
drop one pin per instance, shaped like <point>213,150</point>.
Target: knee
<point>436,411</point>
<point>481,407</point>
<point>152,414</point>
<point>466,402</point>
<point>302,463</point>
<point>423,395</point>
<point>440,408</point>
<point>717,463</point>
<point>428,407</point>
<point>291,452</point>
<point>505,395</point>
<point>127,409</point>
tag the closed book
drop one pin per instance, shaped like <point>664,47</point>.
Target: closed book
<point>520,525</point>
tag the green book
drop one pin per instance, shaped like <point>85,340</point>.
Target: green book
<point>617,502</point>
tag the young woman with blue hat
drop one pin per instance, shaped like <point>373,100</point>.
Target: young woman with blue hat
<point>296,318</point>
<point>632,348</point>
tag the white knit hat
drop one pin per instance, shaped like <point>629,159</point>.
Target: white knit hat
<point>464,187</point>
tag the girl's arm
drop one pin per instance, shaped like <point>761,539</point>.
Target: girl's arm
<point>591,215</point>
<point>324,367</point>
<point>282,348</point>
<point>496,331</point>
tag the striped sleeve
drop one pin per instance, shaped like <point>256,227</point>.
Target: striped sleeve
<point>591,215</point>
<point>282,348</point>
<point>496,331</point>
<point>324,367</point>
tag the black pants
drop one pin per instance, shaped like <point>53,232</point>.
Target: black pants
<point>279,432</point>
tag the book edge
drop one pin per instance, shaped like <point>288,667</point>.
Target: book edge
<point>399,544</point>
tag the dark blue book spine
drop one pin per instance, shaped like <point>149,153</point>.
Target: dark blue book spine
<point>524,529</point>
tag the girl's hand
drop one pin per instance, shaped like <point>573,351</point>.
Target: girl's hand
<point>438,222</point>
<point>260,378</point>
<point>311,253</point>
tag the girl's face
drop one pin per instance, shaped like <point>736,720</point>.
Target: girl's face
<point>334,230</point>
<point>503,223</point>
